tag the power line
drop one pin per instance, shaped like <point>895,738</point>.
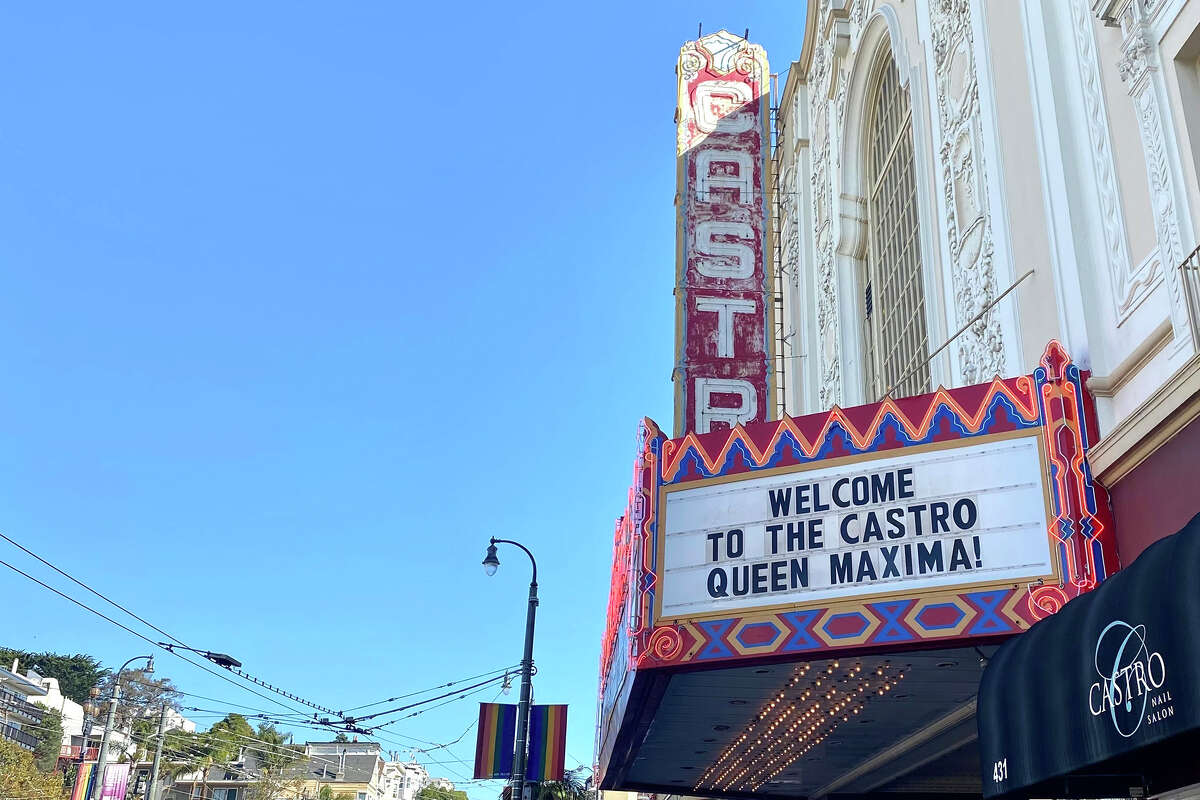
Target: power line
<point>166,646</point>
<point>143,637</point>
<point>434,688</point>
<point>427,700</point>
<point>423,710</point>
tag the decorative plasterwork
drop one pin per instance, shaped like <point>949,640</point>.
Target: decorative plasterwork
<point>1130,282</point>
<point>829,356</point>
<point>968,224</point>
<point>1138,68</point>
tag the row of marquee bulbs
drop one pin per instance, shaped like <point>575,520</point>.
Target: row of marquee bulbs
<point>811,714</point>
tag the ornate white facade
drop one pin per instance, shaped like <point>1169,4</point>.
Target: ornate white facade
<point>1056,149</point>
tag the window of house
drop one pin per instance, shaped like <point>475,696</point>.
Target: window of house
<point>895,341</point>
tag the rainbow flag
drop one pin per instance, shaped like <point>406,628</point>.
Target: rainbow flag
<point>495,739</point>
<point>83,781</point>
<point>547,743</point>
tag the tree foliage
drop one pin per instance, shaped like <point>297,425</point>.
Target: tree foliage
<point>49,740</point>
<point>575,785</point>
<point>142,696</point>
<point>438,793</point>
<point>76,674</point>
<point>19,776</point>
<point>274,750</point>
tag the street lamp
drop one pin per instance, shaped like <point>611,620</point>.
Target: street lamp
<point>102,760</point>
<point>91,710</point>
<point>490,564</point>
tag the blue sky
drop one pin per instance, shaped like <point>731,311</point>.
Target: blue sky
<point>304,302</point>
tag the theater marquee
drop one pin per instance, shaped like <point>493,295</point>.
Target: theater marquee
<point>940,515</point>
<point>953,518</point>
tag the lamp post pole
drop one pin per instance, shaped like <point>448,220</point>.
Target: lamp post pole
<point>102,759</point>
<point>490,563</point>
<point>90,710</point>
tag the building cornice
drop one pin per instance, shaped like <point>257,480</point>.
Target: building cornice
<point>1151,425</point>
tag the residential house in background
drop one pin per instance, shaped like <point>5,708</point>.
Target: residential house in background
<point>356,769</point>
<point>16,712</point>
<point>347,768</point>
<point>74,746</point>
<point>403,779</point>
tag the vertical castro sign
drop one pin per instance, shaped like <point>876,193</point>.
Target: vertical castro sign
<point>722,303</point>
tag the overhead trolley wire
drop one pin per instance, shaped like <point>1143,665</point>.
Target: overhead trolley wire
<point>505,670</point>
<point>481,684</point>
<point>164,645</point>
<point>143,637</point>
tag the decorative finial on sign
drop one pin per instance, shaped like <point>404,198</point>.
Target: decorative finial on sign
<point>746,35</point>
<point>700,30</point>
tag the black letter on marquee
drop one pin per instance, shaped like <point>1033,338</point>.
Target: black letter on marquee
<point>744,587</point>
<point>718,583</point>
<point>781,500</point>
<point>841,568</point>
<point>774,531</point>
<point>929,558</point>
<point>735,542</point>
<point>938,513</point>
<point>916,512</point>
<point>714,538</point>
<point>846,536</point>
<point>759,571</point>
<point>958,556</point>
<point>778,576</point>
<point>965,514</point>
<point>865,568</point>
<point>890,570</point>
<point>800,573</point>
<point>883,487</point>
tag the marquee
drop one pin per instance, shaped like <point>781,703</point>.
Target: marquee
<point>958,517</point>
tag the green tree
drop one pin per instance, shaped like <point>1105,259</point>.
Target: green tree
<point>49,740</point>
<point>19,776</point>
<point>227,737</point>
<point>438,793</point>
<point>573,786</point>
<point>76,674</point>
<point>142,695</point>
<point>275,751</point>
<point>341,737</point>
<point>274,757</point>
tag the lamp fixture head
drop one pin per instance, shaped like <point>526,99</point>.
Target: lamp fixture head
<point>149,670</point>
<point>490,561</point>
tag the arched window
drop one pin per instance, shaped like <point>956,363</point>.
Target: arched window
<point>895,342</point>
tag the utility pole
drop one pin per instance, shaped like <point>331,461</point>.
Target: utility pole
<point>152,787</point>
<point>102,759</point>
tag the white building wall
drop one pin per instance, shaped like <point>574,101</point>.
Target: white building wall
<point>1054,136</point>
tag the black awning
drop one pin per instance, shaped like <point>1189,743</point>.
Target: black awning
<point>1100,692</point>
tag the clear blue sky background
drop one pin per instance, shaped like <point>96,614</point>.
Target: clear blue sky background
<point>303,302</point>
